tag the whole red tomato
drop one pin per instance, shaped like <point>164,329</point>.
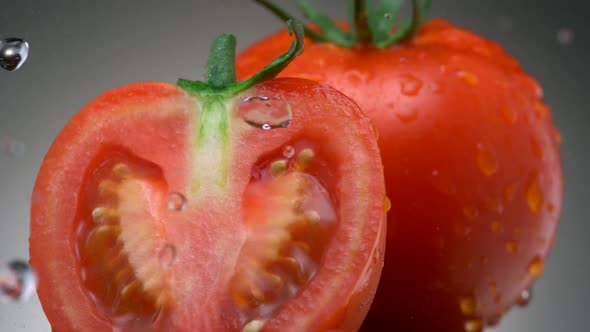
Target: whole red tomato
<point>164,208</point>
<point>471,159</point>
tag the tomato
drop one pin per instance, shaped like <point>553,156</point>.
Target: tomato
<point>472,168</point>
<point>159,208</point>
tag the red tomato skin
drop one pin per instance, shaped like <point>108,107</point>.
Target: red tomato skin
<point>150,121</point>
<point>472,167</point>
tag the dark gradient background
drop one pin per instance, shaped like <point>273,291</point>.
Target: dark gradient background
<point>80,48</point>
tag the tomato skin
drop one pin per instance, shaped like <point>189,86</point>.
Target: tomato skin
<point>472,168</point>
<point>154,123</point>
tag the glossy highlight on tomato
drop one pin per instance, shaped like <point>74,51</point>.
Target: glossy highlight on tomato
<point>471,160</point>
<point>160,208</point>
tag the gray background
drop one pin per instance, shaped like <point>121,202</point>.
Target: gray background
<point>80,48</point>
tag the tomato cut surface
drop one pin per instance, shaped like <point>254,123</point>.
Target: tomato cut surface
<point>159,210</point>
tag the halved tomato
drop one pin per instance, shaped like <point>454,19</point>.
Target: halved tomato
<point>167,208</point>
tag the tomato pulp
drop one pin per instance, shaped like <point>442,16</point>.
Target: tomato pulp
<point>165,208</point>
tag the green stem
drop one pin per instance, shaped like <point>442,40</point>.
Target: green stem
<point>221,69</point>
<point>360,22</point>
<point>221,73</point>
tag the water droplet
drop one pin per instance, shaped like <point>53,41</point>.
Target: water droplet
<point>541,109</point>
<point>407,114</point>
<point>13,53</point>
<point>411,85</point>
<point>266,113</point>
<point>12,147</point>
<point>486,162</point>
<point>557,136</point>
<point>473,325</point>
<point>509,192</point>
<point>176,201</point>
<point>508,114</point>
<point>565,36</point>
<point>468,77</point>
<point>525,297</point>
<point>511,247</point>
<point>288,151</point>
<point>167,256</point>
<point>470,212</point>
<point>356,77</point>
<point>534,196</point>
<point>386,204</point>
<point>387,16</point>
<point>536,267</point>
<point>550,207</point>
<point>467,305</point>
<point>496,227</point>
<point>17,282</point>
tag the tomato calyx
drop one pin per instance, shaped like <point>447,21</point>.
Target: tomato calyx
<point>371,25</point>
<point>221,73</point>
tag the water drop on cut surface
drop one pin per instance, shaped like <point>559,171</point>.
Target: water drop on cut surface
<point>17,282</point>
<point>525,297</point>
<point>266,113</point>
<point>167,256</point>
<point>288,151</point>
<point>13,53</point>
<point>176,201</point>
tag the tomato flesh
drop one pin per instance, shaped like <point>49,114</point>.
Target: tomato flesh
<point>285,233</point>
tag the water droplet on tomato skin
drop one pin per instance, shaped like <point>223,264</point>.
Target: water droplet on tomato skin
<point>167,256</point>
<point>511,247</point>
<point>486,163</point>
<point>411,85</point>
<point>535,268</point>
<point>467,305</point>
<point>407,114</point>
<point>468,77</point>
<point>534,196</point>
<point>176,201</point>
<point>265,113</point>
<point>473,325</point>
<point>17,282</point>
<point>525,297</point>
<point>13,53</point>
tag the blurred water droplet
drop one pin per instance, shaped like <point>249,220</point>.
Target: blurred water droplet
<point>411,85</point>
<point>266,113</point>
<point>486,162</point>
<point>288,151</point>
<point>536,267</point>
<point>387,16</point>
<point>386,204</point>
<point>12,147</point>
<point>505,23</point>
<point>565,36</point>
<point>13,53</point>
<point>508,114</point>
<point>496,227</point>
<point>17,282</point>
<point>407,114</point>
<point>473,325</point>
<point>468,77</point>
<point>176,201</point>
<point>525,297</point>
<point>534,196</point>
<point>470,212</point>
<point>511,247</point>
<point>356,77</point>
<point>167,256</point>
<point>467,305</point>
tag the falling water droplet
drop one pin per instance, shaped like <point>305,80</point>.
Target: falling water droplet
<point>411,85</point>
<point>13,53</point>
<point>17,282</point>
<point>167,256</point>
<point>12,147</point>
<point>288,151</point>
<point>266,113</point>
<point>565,36</point>
<point>525,297</point>
<point>486,162</point>
<point>536,267</point>
<point>176,201</point>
